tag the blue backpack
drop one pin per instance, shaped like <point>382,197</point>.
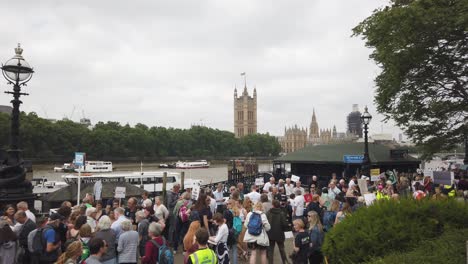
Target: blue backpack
<point>165,253</point>
<point>255,225</point>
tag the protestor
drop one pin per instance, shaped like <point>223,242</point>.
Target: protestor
<point>127,243</point>
<point>8,240</point>
<point>256,235</point>
<point>218,196</point>
<point>288,187</point>
<point>91,213</point>
<point>265,202</point>
<point>117,224</point>
<point>253,195</point>
<point>333,191</point>
<point>97,248</point>
<point>438,195</point>
<point>85,235</point>
<point>182,212</point>
<point>27,225</point>
<point>240,189</point>
<point>345,211</point>
<point>203,254</point>
<point>220,240</point>
<point>204,212</point>
<point>99,210</point>
<point>298,205</point>
<point>24,207</point>
<point>143,224</point>
<point>190,245</point>
<point>314,205</point>
<point>301,243</point>
<point>279,224</point>
<point>330,215</point>
<point>268,185</point>
<point>160,210</point>
<point>213,205</point>
<point>105,232</point>
<point>153,244</point>
<point>9,215</point>
<point>74,233</point>
<point>145,200</point>
<point>71,255</point>
<point>298,187</point>
<point>316,238</point>
<point>51,237</point>
<point>131,209</point>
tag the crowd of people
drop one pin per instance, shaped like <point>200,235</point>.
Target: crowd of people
<point>213,228</point>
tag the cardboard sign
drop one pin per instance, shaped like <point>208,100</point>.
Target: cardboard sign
<point>195,192</point>
<point>119,192</point>
<point>369,198</point>
<point>362,186</point>
<point>259,181</point>
<point>288,234</point>
<point>443,177</point>
<point>375,174</point>
<point>295,178</point>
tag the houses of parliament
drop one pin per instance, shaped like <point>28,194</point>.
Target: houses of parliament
<point>298,137</point>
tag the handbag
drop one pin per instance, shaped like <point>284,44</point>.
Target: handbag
<point>263,239</point>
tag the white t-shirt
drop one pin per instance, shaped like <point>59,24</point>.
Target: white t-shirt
<point>299,205</point>
<point>351,184</point>
<point>222,234</point>
<point>267,186</point>
<point>288,189</point>
<point>218,197</point>
<point>254,197</point>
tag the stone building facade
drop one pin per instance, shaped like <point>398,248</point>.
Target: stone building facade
<point>294,138</point>
<point>245,113</point>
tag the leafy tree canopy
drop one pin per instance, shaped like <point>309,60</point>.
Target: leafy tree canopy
<point>44,139</point>
<point>421,47</point>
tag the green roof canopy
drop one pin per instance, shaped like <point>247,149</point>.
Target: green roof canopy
<point>334,153</point>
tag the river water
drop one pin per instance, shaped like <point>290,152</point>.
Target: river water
<point>216,173</point>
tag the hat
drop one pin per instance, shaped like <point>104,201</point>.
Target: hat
<point>56,216</point>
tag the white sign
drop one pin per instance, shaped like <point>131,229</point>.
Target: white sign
<point>369,198</point>
<point>195,192</point>
<point>79,158</point>
<point>295,178</point>
<point>119,192</point>
<point>362,186</point>
<point>288,234</point>
<point>97,190</point>
<point>259,181</point>
<point>189,184</point>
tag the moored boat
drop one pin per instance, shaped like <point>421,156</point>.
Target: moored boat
<point>192,164</point>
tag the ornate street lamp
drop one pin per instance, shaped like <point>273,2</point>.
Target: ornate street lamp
<point>13,184</point>
<point>17,72</point>
<point>465,134</point>
<point>366,163</point>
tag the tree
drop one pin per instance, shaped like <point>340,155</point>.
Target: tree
<point>421,47</point>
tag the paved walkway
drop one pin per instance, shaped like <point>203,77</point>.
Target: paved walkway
<point>178,258</point>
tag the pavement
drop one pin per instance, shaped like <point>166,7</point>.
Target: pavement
<point>288,244</point>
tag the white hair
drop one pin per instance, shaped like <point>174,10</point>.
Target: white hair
<point>126,225</point>
<point>90,210</point>
<point>155,229</point>
<point>104,223</point>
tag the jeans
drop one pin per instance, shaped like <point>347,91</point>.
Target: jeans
<point>271,250</point>
<point>233,253</point>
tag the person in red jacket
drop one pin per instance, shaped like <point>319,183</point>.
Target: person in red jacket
<point>152,251</point>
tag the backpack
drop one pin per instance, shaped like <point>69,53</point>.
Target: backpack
<point>165,254</point>
<point>237,225</point>
<point>183,212</point>
<point>36,241</point>
<point>255,225</point>
<point>231,240</point>
<point>194,216</point>
<point>85,252</point>
<point>71,240</point>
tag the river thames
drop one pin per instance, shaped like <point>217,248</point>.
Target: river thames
<point>216,172</point>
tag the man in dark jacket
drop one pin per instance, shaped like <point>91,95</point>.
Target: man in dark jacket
<point>279,225</point>
<point>315,205</point>
<point>27,226</point>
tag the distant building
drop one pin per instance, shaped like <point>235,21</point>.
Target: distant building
<point>314,136</point>
<point>325,136</point>
<point>294,138</point>
<point>354,123</point>
<point>6,109</point>
<point>245,113</point>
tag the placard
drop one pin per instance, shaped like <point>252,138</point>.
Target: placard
<point>195,192</point>
<point>369,198</point>
<point>259,181</point>
<point>295,178</point>
<point>119,192</point>
<point>443,177</point>
<point>288,234</point>
<point>375,174</point>
<point>362,186</point>
<point>80,158</point>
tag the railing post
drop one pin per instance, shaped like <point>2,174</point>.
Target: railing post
<point>164,185</point>
<point>182,180</point>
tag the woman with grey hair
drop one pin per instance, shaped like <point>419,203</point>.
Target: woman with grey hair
<point>152,246</point>
<point>143,224</point>
<point>128,243</point>
<point>106,233</point>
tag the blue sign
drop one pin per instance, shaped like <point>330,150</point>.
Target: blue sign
<point>80,158</point>
<point>353,159</point>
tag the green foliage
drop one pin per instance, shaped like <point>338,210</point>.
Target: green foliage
<point>448,248</point>
<point>42,139</point>
<point>389,227</point>
<point>421,48</point>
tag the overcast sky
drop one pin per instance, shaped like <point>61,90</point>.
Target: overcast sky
<point>176,63</point>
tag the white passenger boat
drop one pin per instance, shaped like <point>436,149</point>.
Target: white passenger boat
<point>192,164</point>
<point>43,186</point>
<point>97,166</point>
<point>151,181</point>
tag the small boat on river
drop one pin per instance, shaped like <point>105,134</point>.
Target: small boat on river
<point>192,164</point>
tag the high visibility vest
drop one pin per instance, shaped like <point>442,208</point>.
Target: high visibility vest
<point>380,195</point>
<point>204,256</point>
<point>452,192</point>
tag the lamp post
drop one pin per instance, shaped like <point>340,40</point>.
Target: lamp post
<point>17,72</point>
<point>13,184</point>
<point>465,134</point>
<point>366,163</point>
